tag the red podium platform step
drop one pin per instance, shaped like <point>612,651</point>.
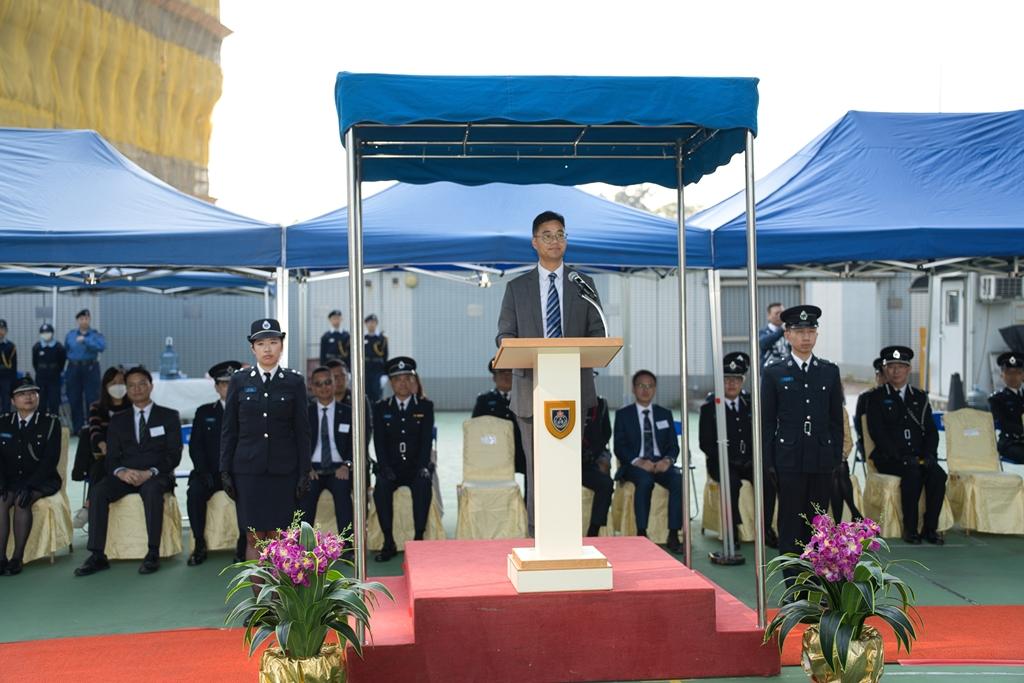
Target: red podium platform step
<point>456,617</point>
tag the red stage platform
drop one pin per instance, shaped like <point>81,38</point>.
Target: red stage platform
<point>456,617</point>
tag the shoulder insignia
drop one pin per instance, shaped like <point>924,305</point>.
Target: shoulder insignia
<point>710,398</point>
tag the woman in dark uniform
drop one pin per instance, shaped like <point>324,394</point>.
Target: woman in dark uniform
<point>29,454</point>
<point>265,438</point>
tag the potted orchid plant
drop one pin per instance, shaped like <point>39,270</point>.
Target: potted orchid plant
<point>300,595</point>
<point>837,582</point>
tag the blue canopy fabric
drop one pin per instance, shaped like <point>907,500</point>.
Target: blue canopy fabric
<point>884,186</point>
<point>68,197</point>
<point>21,280</point>
<point>445,223</point>
<point>562,130</point>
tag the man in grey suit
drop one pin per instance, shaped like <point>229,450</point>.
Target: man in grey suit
<point>545,303</point>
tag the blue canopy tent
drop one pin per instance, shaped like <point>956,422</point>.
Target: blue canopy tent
<point>444,224</point>
<point>882,187</point>
<point>561,130</point>
<point>163,282</point>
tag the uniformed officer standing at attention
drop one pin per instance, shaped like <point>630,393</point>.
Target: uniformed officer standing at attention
<point>265,439</point>
<point>1008,407</point>
<point>82,381</point>
<point>204,450</point>
<point>336,343</point>
<point>403,428</point>
<point>802,413</point>
<point>8,367</point>
<point>906,444</point>
<point>739,429</point>
<point>48,358</point>
<point>29,455</point>
<point>375,347</point>
<point>496,403</point>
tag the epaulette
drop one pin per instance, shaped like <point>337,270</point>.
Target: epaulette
<point>710,397</point>
<point>823,361</point>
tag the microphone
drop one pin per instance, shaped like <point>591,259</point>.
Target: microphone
<point>584,286</point>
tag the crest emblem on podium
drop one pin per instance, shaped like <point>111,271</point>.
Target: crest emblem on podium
<point>560,418</point>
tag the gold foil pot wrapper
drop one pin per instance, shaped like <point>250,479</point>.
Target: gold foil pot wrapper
<point>864,662</point>
<point>329,667</point>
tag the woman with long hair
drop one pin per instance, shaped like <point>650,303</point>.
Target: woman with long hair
<point>111,402</point>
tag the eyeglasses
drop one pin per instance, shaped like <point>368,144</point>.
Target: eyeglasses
<point>323,383</point>
<point>646,386</point>
<point>549,238</point>
<point>138,385</point>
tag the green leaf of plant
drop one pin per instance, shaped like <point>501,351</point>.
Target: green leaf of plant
<point>346,635</point>
<point>261,636</point>
<point>843,636</point>
<point>901,625</point>
<point>282,631</point>
<point>830,622</point>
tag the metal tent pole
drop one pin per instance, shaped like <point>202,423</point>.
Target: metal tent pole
<point>358,366</point>
<point>53,312</point>
<point>684,408</point>
<point>755,384</point>
<point>266,301</point>
<point>281,300</point>
<point>627,352</point>
<point>303,322</point>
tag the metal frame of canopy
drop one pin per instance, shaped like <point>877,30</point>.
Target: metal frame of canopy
<point>668,144</point>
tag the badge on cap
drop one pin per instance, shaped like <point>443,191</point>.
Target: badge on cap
<point>401,365</point>
<point>266,324</point>
<point>803,315</point>
<point>896,354</point>
<point>732,365</point>
<point>1013,360</point>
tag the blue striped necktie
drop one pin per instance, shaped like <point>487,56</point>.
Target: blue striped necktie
<point>554,317</point>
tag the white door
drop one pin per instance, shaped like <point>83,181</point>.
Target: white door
<point>951,333</point>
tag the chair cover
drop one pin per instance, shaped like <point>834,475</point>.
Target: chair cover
<point>403,528</point>
<point>588,503</point>
<point>126,532</point>
<point>51,516</point>
<point>221,524</point>
<point>624,514</point>
<point>983,497</point>
<point>490,502</point>
<point>711,510</point>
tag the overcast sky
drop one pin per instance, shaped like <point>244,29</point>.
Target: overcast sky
<point>275,151</point>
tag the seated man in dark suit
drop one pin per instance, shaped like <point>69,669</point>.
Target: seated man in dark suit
<point>496,403</point>
<point>646,446</point>
<point>143,448</point>
<point>597,430</point>
<point>1008,407</point>
<point>330,424</point>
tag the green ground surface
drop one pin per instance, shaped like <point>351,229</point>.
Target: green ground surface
<point>976,569</point>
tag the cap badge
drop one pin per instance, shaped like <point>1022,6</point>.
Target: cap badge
<point>896,354</point>
<point>732,365</point>
<point>803,315</point>
<point>266,324</point>
<point>401,365</point>
<point>1013,360</point>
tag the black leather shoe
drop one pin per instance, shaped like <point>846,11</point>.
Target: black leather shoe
<point>912,538</point>
<point>771,539</point>
<point>3,565</point>
<point>197,557</point>
<point>13,567</point>
<point>930,536</point>
<point>150,564</point>
<point>386,553</point>
<point>672,544</point>
<point>96,562</point>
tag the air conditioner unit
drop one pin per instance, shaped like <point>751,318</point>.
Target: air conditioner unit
<point>994,288</point>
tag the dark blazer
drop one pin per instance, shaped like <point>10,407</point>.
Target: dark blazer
<point>266,428</point>
<point>739,431</point>
<point>342,430</point>
<point>802,416</point>
<point>162,451</point>
<point>403,443</point>
<point>48,361</point>
<point>903,430</point>
<point>861,410</point>
<point>494,404</point>
<point>204,444</point>
<point>29,459</point>
<point>629,440</point>
<point>1007,408</point>
<point>520,317</point>
<point>597,431</point>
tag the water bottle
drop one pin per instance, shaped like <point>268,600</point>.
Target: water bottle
<point>169,360</point>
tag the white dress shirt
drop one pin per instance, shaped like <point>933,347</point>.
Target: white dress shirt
<point>800,361</point>
<point>262,371</point>
<point>318,450</point>
<point>542,274</point>
<point>654,429</point>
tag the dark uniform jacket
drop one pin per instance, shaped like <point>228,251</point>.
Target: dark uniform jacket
<point>739,429</point>
<point>160,447</point>
<point>629,439</point>
<point>48,361</point>
<point>862,409</point>
<point>266,426</point>
<point>403,441</point>
<point>375,346</point>
<point>597,431</point>
<point>903,429</point>
<point>802,416</point>
<point>204,444</point>
<point>494,404</point>
<point>335,344</point>
<point>1007,408</point>
<point>341,428</point>
<point>29,458</point>
<point>8,360</point>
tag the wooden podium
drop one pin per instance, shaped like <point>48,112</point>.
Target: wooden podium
<point>558,561</point>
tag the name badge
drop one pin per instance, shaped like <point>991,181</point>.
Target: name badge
<point>661,424</point>
<point>156,431</point>
<point>251,390</point>
<point>344,428</point>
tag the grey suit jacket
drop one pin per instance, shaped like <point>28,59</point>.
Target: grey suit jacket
<point>521,317</point>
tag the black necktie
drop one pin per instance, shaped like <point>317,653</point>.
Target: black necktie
<point>266,377</point>
<point>142,426</point>
<point>325,439</point>
<point>648,435</point>
<point>24,425</point>
<point>803,366</point>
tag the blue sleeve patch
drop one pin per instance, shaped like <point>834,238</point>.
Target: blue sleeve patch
<point>387,416</point>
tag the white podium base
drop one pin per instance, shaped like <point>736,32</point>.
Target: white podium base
<point>529,573</point>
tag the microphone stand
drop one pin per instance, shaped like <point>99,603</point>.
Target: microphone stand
<point>596,306</point>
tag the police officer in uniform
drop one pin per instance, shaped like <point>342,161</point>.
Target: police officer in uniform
<point>29,454</point>
<point>802,413</point>
<point>906,444</point>
<point>8,367</point>
<point>862,404</point>
<point>48,358</point>
<point>403,427</point>
<point>335,342</point>
<point>375,347</point>
<point>265,438</point>
<point>496,403</point>
<point>1008,407</point>
<point>204,449</point>
<point>739,428</point>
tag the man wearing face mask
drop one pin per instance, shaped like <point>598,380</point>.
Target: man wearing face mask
<point>48,358</point>
<point>8,368</point>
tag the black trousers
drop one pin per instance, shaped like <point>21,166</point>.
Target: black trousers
<point>49,393</point>
<point>799,493</point>
<point>422,491</point>
<point>112,489</point>
<point>601,484</point>
<point>1012,450</point>
<point>913,478</point>
<point>197,496</point>
<point>341,491</point>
